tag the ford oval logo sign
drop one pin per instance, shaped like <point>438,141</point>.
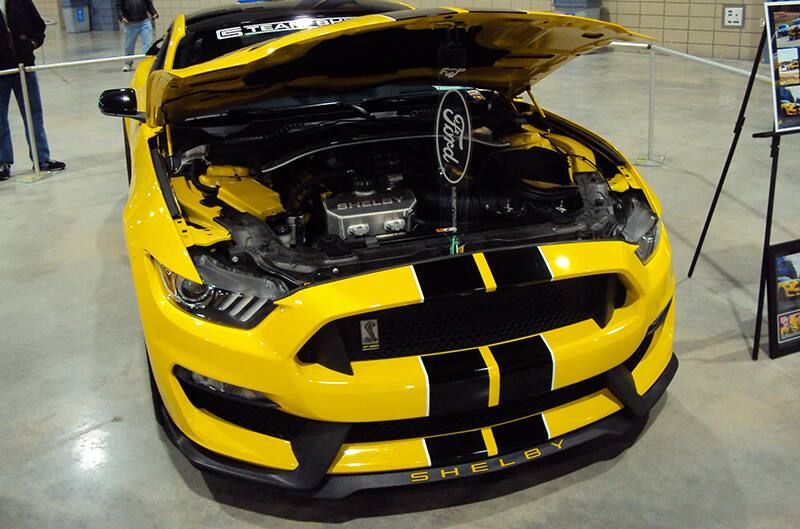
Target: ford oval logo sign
<point>453,136</point>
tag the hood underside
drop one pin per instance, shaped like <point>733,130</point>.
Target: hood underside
<point>504,51</point>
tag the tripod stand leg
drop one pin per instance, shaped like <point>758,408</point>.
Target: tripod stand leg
<point>762,285</point>
<point>737,132</point>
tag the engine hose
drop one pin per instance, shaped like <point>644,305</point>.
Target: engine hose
<point>196,167</point>
<point>294,195</point>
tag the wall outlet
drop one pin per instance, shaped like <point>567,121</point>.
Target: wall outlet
<point>732,16</point>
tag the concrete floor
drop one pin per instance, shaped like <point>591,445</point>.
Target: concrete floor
<point>81,448</point>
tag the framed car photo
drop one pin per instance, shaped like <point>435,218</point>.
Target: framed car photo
<point>783,284</point>
<point>783,28</point>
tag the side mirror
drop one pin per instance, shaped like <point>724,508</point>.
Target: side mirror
<point>121,103</point>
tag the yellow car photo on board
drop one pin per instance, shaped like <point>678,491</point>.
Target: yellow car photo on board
<point>794,29</point>
<point>789,106</point>
<point>785,24</point>
<point>788,288</point>
<point>788,72</point>
<point>315,319</point>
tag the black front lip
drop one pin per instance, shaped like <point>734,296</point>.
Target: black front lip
<point>313,484</point>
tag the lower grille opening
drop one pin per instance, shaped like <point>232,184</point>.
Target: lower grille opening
<point>471,420</point>
<point>276,423</point>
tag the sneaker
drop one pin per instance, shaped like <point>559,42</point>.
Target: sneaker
<point>5,171</point>
<point>52,165</point>
<point>126,68</point>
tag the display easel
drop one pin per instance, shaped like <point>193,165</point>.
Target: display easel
<point>774,152</point>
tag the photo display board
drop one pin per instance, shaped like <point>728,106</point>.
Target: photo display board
<point>784,298</point>
<point>783,27</point>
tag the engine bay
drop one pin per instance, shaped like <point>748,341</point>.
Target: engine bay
<point>351,188</point>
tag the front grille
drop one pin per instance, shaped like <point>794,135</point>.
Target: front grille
<point>465,321</point>
<point>273,422</point>
<point>471,420</point>
<point>276,423</point>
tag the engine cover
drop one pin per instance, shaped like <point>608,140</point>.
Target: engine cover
<point>359,214</point>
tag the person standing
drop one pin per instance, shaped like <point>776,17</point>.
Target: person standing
<point>21,32</point>
<point>136,16</point>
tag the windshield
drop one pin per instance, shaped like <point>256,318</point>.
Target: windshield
<point>207,44</point>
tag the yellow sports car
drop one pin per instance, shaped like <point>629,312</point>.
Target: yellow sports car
<point>788,288</point>
<point>794,30</point>
<point>362,260</point>
<point>789,108</point>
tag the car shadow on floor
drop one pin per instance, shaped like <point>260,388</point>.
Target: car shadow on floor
<point>268,501</point>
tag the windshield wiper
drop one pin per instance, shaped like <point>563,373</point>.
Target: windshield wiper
<point>358,108</point>
<point>335,106</point>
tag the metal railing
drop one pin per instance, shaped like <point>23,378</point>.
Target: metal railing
<point>22,71</point>
<point>650,159</point>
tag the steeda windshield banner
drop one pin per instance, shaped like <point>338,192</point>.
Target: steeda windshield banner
<point>276,27</point>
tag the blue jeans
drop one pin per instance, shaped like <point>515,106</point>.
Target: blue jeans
<point>132,31</point>
<point>9,83</point>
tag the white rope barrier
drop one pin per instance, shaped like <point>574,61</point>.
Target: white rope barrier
<point>649,159</point>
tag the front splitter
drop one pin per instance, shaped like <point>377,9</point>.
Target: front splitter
<point>342,485</point>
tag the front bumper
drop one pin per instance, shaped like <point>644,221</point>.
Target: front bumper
<point>340,486</point>
<point>400,391</point>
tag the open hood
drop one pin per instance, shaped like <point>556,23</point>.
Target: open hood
<point>504,51</point>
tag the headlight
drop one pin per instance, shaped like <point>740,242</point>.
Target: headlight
<point>224,296</point>
<point>649,241</point>
<point>642,227</point>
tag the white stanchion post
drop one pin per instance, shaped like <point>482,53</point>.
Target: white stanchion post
<point>26,103</point>
<point>651,159</point>
<point>50,22</point>
<point>59,50</point>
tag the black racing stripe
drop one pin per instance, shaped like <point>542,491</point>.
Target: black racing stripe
<point>457,381</point>
<point>455,275</point>
<point>520,266</point>
<point>520,434</point>
<point>526,368</point>
<point>456,448</point>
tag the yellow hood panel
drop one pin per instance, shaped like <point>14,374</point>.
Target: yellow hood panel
<point>506,51</point>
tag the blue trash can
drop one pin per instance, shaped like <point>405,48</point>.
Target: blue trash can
<point>581,8</point>
<point>76,15</point>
